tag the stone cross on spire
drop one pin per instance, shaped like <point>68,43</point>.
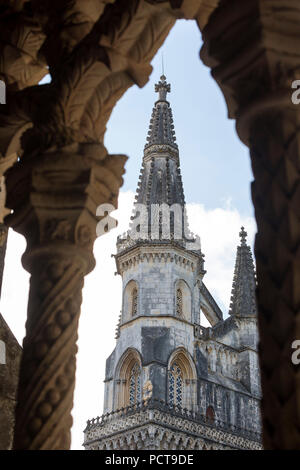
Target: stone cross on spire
<point>161,128</point>
<point>162,87</point>
<point>243,236</point>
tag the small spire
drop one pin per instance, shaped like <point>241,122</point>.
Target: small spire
<point>243,300</point>
<point>160,179</point>
<point>243,236</point>
<point>162,87</point>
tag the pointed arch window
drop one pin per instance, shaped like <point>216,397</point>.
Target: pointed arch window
<point>135,385</point>
<point>134,303</point>
<point>210,414</point>
<point>175,385</point>
<point>179,302</point>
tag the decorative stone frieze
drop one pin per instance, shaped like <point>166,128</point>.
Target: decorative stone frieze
<point>186,428</point>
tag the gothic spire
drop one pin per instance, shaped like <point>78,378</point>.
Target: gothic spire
<point>160,177</point>
<point>160,181</point>
<point>161,128</point>
<point>243,302</point>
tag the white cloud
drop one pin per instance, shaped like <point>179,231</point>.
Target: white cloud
<point>219,232</point>
<point>14,295</point>
<point>218,228</point>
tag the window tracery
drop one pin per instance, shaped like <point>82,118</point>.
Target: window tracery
<point>135,385</point>
<point>175,385</point>
<point>179,302</point>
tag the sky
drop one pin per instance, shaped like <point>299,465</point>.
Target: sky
<point>216,174</point>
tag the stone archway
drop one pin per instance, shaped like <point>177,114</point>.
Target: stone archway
<point>65,172</point>
<point>184,365</point>
<point>131,300</point>
<point>131,359</point>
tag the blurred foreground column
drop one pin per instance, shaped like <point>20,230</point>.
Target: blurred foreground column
<point>253,49</point>
<point>54,198</point>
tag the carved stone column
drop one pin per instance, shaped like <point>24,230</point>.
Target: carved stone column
<point>253,48</point>
<point>94,53</point>
<point>54,198</point>
<point>20,40</point>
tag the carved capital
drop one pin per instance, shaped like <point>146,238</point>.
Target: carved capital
<point>58,194</point>
<point>21,37</point>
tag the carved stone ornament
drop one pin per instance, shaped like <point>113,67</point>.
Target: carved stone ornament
<point>147,390</point>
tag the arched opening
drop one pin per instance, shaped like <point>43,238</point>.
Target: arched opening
<point>203,318</point>
<point>131,301</point>
<point>210,414</point>
<point>128,380</point>
<point>182,380</point>
<point>183,300</point>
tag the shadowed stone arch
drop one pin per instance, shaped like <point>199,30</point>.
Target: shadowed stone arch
<point>131,300</point>
<point>85,86</point>
<point>130,359</point>
<point>184,361</point>
<point>183,300</point>
<point>210,414</point>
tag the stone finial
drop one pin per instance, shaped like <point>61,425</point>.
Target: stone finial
<point>162,88</point>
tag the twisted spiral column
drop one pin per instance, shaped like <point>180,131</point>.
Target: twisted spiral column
<point>275,154</point>
<point>49,353</point>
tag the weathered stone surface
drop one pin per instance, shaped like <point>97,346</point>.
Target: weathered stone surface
<point>154,426</point>
<point>253,49</point>
<point>10,355</point>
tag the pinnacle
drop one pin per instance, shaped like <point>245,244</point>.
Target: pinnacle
<point>243,299</point>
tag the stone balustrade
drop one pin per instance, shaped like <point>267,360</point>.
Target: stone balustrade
<point>174,411</point>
